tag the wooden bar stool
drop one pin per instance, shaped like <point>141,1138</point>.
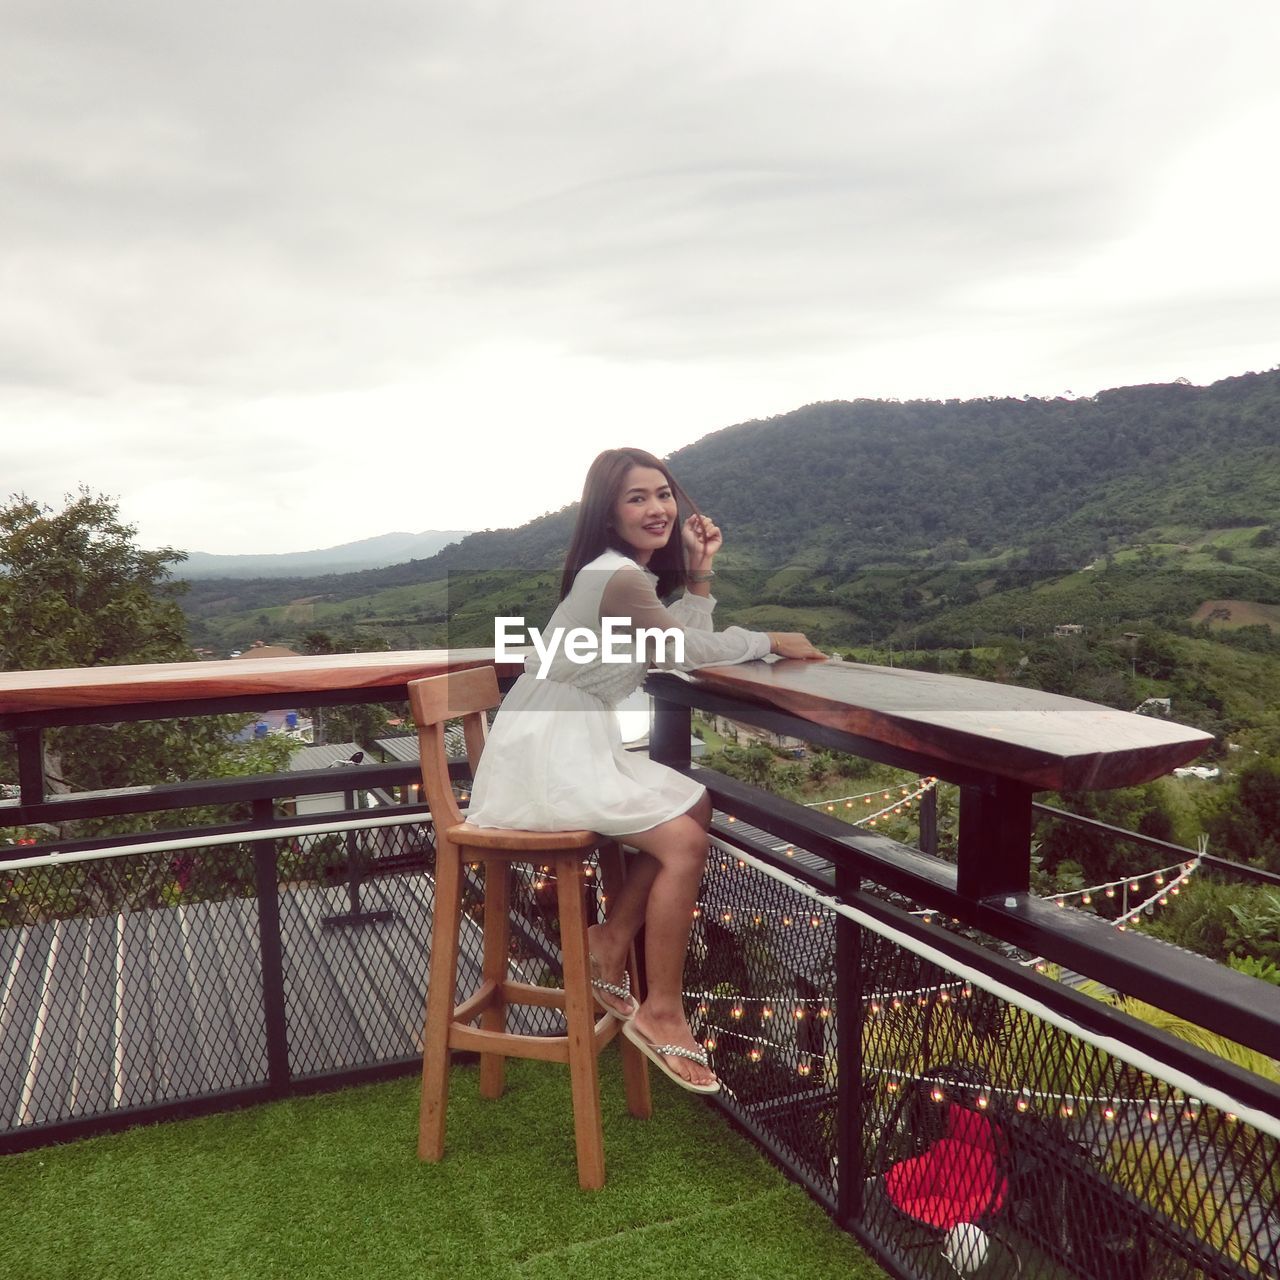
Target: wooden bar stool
<point>468,694</point>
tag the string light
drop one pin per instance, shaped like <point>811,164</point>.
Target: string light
<point>875,1003</point>
<point>1131,884</point>
<point>894,805</point>
<point>1073,1107</point>
<point>1121,923</point>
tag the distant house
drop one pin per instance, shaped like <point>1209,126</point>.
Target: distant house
<point>290,724</point>
<point>259,650</point>
<point>1068,629</point>
<point>333,755</point>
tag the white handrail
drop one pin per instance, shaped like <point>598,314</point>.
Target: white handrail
<point>209,841</point>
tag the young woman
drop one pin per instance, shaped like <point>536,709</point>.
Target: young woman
<point>555,760</point>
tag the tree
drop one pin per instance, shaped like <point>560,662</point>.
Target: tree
<point>1247,826</point>
<point>360,722</point>
<point>1097,855</point>
<point>77,591</point>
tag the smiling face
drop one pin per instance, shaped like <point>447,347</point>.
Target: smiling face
<point>645,513</point>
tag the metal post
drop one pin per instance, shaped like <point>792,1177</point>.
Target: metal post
<point>849,1014</point>
<point>995,840</point>
<point>356,863</point>
<point>929,822</point>
<point>670,729</point>
<point>30,743</point>
<point>266,878</point>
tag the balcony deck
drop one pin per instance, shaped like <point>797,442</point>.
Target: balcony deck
<point>847,1028</point>
<point>326,1188</point>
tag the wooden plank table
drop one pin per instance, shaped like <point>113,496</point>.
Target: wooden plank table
<point>1001,743</point>
<point>31,701</point>
<point>1048,742</point>
<point>135,687</point>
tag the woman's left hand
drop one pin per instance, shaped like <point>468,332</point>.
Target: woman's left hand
<point>702,539</point>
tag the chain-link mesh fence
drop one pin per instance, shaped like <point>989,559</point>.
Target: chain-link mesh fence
<point>988,1140</point>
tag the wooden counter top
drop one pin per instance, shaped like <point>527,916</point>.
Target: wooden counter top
<point>1041,739</point>
<point>30,691</point>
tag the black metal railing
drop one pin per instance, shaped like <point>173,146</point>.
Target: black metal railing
<point>899,1043</point>
<point>876,1026</point>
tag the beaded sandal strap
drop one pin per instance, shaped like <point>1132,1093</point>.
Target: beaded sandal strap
<point>620,989</point>
<point>675,1051</point>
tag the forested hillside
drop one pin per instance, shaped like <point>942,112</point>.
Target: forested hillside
<point>936,528</point>
<point>844,485</point>
<point>849,483</point>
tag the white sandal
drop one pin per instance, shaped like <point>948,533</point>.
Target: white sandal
<point>619,990</point>
<point>656,1052</point>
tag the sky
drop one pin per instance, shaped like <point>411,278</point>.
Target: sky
<point>282,274</point>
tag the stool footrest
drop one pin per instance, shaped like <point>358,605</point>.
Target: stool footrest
<point>507,1044</point>
<point>489,993</point>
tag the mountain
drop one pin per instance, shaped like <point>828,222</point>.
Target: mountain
<point>869,520</point>
<point>368,553</point>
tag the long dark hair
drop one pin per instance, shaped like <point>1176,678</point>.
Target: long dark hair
<point>594,533</point>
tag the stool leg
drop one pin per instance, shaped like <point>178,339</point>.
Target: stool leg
<point>442,979</point>
<point>579,1011</point>
<point>497,942</point>
<point>635,1066</point>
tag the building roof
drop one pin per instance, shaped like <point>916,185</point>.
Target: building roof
<point>404,746</point>
<point>328,756</point>
<point>260,650</point>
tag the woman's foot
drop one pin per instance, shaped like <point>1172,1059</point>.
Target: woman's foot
<point>660,1028</point>
<point>609,966</point>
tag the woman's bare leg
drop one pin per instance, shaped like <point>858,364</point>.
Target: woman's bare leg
<point>625,912</point>
<point>661,892</point>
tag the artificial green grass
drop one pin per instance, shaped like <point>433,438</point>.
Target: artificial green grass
<point>330,1186</point>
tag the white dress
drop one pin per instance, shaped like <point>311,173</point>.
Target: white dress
<point>554,759</point>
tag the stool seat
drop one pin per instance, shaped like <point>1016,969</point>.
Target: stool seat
<point>513,840</point>
<point>587,1030</point>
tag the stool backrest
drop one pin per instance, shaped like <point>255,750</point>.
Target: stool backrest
<point>435,699</point>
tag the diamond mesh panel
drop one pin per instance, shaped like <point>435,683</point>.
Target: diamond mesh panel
<point>136,981</point>
<point>986,1133</point>
<point>128,982</point>
<point>355,936</point>
<point>760,990</point>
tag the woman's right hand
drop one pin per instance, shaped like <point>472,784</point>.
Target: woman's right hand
<point>794,644</point>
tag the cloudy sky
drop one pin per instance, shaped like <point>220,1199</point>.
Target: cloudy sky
<point>280,274</point>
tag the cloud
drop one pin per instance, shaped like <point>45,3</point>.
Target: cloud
<point>263,234</point>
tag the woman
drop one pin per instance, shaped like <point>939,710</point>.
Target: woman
<point>555,760</point>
